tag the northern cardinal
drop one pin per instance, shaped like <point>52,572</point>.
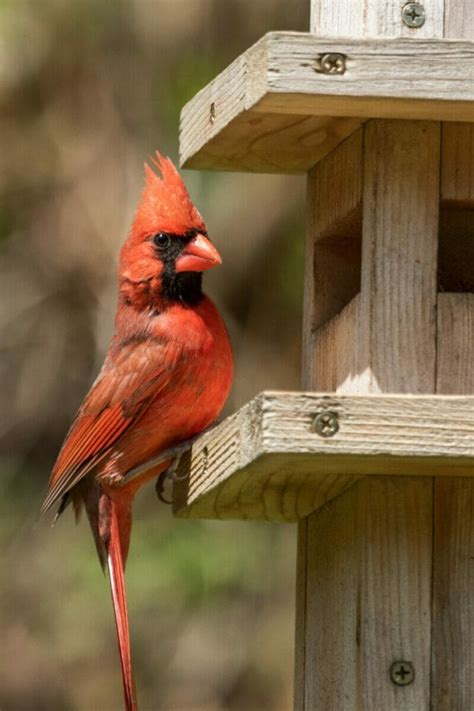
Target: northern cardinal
<point>165,378</point>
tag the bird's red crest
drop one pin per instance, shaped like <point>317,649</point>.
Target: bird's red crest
<point>164,204</point>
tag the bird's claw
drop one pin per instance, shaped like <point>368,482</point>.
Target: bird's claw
<point>160,489</point>
<point>174,453</point>
<point>170,474</point>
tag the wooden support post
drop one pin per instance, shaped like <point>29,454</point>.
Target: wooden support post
<point>365,562</point>
<point>453,575</point>
<point>452,644</point>
<point>366,558</point>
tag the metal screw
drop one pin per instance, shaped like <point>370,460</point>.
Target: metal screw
<point>330,64</point>
<point>402,673</point>
<point>212,113</point>
<point>413,14</point>
<point>205,459</point>
<point>326,424</point>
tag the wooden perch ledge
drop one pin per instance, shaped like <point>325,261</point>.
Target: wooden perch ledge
<point>292,97</point>
<point>284,455</point>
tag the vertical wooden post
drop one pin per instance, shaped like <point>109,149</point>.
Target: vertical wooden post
<point>453,573</point>
<point>366,559</point>
<point>376,572</point>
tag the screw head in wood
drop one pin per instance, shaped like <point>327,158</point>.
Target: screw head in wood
<point>326,424</point>
<point>402,673</point>
<point>212,113</point>
<point>332,63</point>
<point>413,14</point>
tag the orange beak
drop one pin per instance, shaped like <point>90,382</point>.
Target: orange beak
<point>198,255</point>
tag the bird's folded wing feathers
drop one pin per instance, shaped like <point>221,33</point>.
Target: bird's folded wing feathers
<point>120,395</point>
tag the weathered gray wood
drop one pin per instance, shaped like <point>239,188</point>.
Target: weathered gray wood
<point>459,19</point>
<point>453,572</point>
<point>369,558</point>
<point>453,601</point>
<point>271,111</point>
<point>397,342</point>
<point>334,365</point>
<point>332,252</point>
<point>266,462</point>
<point>455,344</point>
<point>372,18</point>
<point>457,165</point>
<point>453,611</point>
<point>363,607</point>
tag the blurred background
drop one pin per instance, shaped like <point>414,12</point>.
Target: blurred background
<point>88,89</point>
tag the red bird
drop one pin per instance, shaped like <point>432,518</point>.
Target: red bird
<point>165,378</point>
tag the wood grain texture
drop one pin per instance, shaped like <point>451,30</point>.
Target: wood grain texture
<point>271,111</point>
<point>453,570</point>
<point>459,19</point>
<point>266,462</point>
<point>334,365</point>
<point>453,610</point>
<point>365,606</point>
<point>332,269</point>
<point>455,344</point>
<point>335,190</point>
<point>453,601</point>
<point>332,247</point>
<point>457,164</point>
<point>399,262</point>
<point>372,18</point>
<point>368,597</point>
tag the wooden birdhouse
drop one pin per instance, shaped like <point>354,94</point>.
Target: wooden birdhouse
<point>375,459</point>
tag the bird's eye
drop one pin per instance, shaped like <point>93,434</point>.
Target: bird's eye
<point>162,240</point>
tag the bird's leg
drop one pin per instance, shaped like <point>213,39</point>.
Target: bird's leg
<point>169,474</point>
<point>173,453</point>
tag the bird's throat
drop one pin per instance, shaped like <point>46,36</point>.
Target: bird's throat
<point>184,287</point>
<point>159,293</point>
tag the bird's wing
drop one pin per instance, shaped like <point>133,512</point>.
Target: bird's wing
<point>125,387</point>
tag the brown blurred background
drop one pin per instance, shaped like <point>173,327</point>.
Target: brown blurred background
<point>88,89</point>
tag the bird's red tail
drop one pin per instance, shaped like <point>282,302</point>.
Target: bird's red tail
<point>115,565</point>
<point>111,522</point>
